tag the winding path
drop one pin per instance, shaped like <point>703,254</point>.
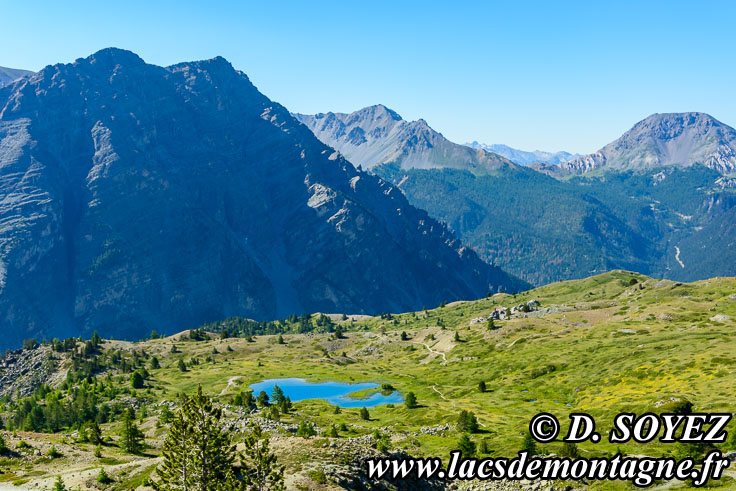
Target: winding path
<point>431,350</point>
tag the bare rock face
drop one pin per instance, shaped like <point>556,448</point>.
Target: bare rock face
<point>135,197</point>
<point>662,140</point>
<point>377,135</point>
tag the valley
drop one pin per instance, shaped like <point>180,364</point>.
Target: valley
<point>614,342</point>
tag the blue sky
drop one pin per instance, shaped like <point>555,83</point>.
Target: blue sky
<point>534,75</point>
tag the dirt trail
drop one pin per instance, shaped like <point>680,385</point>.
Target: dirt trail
<point>230,383</point>
<point>431,350</point>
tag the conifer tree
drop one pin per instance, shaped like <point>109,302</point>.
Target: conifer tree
<point>466,446</point>
<point>528,444</point>
<point>59,484</point>
<point>261,471</point>
<point>198,453</point>
<point>277,396</point>
<point>262,398</point>
<point>411,400</point>
<point>131,440</point>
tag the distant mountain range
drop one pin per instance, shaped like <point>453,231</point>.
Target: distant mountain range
<point>522,157</point>
<point>659,201</point>
<point>136,198</point>
<point>8,75</point>
<point>664,140</point>
<point>377,135</point>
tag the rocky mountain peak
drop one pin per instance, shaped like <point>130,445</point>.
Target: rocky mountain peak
<point>108,58</point>
<point>663,140</point>
<point>139,197</point>
<point>377,135</point>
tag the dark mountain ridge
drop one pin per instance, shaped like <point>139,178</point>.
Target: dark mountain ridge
<point>135,197</point>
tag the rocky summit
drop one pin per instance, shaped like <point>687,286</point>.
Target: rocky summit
<point>135,197</point>
<point>377,135</point>
<point>664,140</point>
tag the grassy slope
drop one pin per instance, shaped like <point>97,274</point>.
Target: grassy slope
<point>610,347</point>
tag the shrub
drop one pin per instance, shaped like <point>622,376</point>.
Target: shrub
<point>569,449</point>
<point>411,400</point>
<point>103,477</point>
<point>466,446</point>
<point>318,476</point>
<point>529,445</point>
<point>306,429</point>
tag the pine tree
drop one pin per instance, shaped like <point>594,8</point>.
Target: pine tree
<point>136,380</point>
<point>261,471</point>
<point>466,421</point>
<point>262,398</point>
<point>103,477</point>
<point>155,363</point>
<point>131,440</point>
<point>182,366</point>
<point>94,432</point>
<point>570,449</point>
<point>481,386</point>
<point>3,445</point>
<point>529,445</point>
<point>364,414</point>
<point>277,396</point>
<point>411,400</point>
<point>59,485</point>
<point>466,446</point>
<point>198,453</point>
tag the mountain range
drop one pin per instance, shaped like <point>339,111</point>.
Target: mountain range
<point>523,157</point>
<point>135,198</point>
<point>9,75</point>
<point>659,200</point>
<point>377,135</point>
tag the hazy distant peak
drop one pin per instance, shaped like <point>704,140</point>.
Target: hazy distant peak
<point>523,157</point>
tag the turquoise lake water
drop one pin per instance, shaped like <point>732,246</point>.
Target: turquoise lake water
<point>336,393</point>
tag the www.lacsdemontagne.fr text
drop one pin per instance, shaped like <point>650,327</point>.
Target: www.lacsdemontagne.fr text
<point>641,471</point>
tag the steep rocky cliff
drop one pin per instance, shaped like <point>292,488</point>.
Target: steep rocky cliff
<point>135,197</point>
